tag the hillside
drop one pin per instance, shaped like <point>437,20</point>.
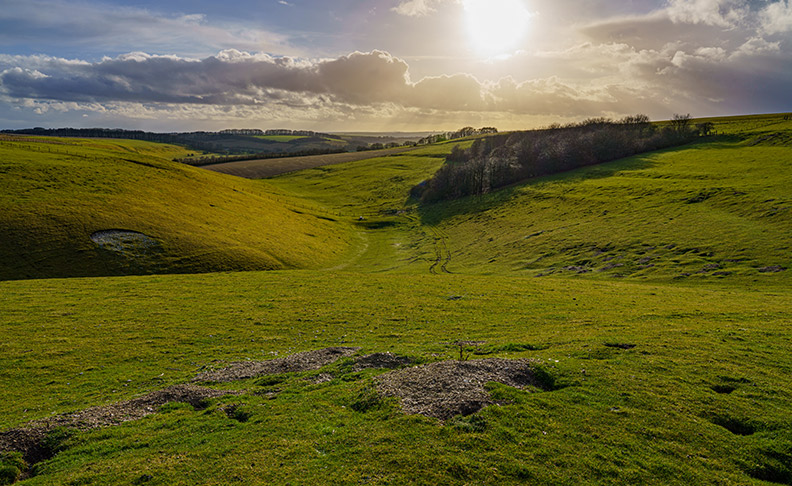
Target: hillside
<point>716,209</point>
<point>708,210</point>
<point>626,323</point>
<point>64,201</point>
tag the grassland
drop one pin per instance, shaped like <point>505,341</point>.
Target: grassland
<point>261,168</point>
<point>58,192</point>
<point>661,377</point>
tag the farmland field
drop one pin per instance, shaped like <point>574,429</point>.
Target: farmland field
<point>257,169</point>
<point>649,297</point>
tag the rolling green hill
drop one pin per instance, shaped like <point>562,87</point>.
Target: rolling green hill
<point>716,209</point>
<point>65,200</point>
<point>644,304</point>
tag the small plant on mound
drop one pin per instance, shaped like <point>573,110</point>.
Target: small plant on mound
<point>466,348</point>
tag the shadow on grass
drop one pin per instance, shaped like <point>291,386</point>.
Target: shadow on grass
<point>434,213</point>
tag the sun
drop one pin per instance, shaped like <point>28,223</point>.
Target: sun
<point>496,26</point>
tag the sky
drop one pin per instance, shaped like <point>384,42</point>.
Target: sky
<point>387,65</point>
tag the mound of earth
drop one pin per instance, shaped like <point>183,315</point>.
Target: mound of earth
<point>381,360</point>
<point>449,388</point>
<point>29,440</point>
<point>306,361</point>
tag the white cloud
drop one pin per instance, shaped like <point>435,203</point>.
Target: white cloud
<point>721,13</point>
<point>777,17</point>
<point>416,8</point>
<point>111,27</point>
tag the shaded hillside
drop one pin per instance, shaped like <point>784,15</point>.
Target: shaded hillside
<point>73,207</point>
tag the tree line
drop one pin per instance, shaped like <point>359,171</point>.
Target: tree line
<point>500,160</point>
<point>461,133</point>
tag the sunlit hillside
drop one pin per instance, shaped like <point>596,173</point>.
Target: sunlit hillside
<point>72,207</point>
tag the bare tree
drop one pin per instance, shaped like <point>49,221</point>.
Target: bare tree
<point>680,123</point>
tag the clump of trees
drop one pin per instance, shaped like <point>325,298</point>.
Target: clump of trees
<point>461,133</point>
<point>500,160</point>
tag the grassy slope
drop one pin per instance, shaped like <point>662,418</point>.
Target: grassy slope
<point>57,193</point>
<point>712,210</point>
<point>640,416</point>
<point>704,211</point>
<point>711,356</point>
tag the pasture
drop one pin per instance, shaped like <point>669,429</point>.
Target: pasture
<point>648,297</point>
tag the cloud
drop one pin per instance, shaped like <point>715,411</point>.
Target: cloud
<point>721,13</point>
<point>95,26</point>
<point>697,57</point>
<point>777,17</point>
<point>417,8</point>
<point>236,78</point>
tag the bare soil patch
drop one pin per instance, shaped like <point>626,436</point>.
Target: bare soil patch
<point>772,269</point>
<point>124,241</point>
<point>449,388</point>
<point>381,360</point>
<point>30,440</point>
<point>306,361</point>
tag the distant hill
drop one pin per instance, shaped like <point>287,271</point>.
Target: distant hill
<point>238,142</point>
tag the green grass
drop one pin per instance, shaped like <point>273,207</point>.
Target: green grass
<point>663,378</point>
<point>643,415</point>
<point>58,193</point>
<point>700,212</point>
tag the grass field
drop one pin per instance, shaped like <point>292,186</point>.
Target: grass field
<point>662,318</point>
<point>261,168</point>
<point>58,193</point>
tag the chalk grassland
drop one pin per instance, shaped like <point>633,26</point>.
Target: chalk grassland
<point>708,211</point>
<point>703,397</point>
<point>661,378</point>
<point>58,192</point>
<point>719,209</point>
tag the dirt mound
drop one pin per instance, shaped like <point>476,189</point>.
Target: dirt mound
<point>381,360</point>
<point>30,440</point>
<point>306,361</point>
<point>449,388</point>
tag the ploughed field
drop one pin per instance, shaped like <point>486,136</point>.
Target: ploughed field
<point>627,323</point>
